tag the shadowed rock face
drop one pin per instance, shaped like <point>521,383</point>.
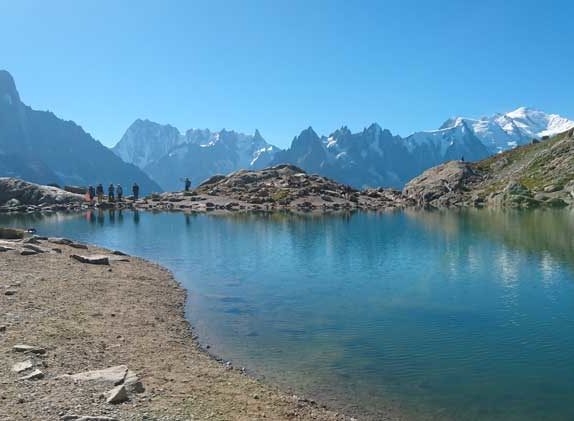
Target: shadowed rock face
<point>40,147</point>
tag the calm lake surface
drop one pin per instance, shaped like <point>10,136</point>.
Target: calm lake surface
<point>460,315</point>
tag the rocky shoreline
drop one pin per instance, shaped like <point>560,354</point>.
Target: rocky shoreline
<point>87,332</point>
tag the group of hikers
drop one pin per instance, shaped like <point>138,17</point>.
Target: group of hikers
<point>114,192</point>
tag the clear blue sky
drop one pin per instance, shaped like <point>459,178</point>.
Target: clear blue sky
<point>281,66</point>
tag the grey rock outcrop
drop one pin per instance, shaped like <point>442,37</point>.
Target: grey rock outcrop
<point>27,193</point>
<point>442,186</point>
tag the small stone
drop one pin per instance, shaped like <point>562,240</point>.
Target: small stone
<point>10,292</point>
<point>117,395</point>
<point>34,375</point>
<point>23,366</point>
<point>2,329</point>
<point>28,348</point>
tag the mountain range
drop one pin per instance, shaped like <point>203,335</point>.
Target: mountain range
<point>38,146</point>
<point>369,158</point>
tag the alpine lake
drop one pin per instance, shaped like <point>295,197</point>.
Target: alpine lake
<point>464,315</point>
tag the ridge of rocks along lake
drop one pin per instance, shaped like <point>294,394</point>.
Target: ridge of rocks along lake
<point>460,315</point>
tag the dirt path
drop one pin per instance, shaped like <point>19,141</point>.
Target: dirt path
<point>131,313</point>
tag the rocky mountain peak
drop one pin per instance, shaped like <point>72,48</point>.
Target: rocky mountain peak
<point>8,92</point>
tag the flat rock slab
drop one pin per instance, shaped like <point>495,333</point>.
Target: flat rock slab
<point>23,366</point>
<point>35,248</point>
<point>96,259</point>
<point>78,246</point>
<point>87,418</point>
<point>62,241</point>
<point>118,259</point>
<point>114,375</point>
<point>34,375</point>
<point>27,252</point>
<point>6,248</point>
<point>28,348</point>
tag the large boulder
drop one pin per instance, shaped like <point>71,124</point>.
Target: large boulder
<point>25,193</point>
<point>443,185</point>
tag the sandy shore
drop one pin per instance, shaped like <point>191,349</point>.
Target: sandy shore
<point>130,313</point>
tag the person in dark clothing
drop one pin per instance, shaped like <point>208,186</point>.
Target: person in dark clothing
<point>187,182</point>
<point>136,191</point>
<point>119,192</point>
<point>100,192</point>
<point>91,193</point>
<point>111,193</point>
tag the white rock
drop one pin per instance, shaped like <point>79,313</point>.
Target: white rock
<point>22,366</point>
<point>34,375</point>
<point>114,375</point>
<point>28,348</point>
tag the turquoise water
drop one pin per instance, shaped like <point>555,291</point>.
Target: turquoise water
<point>460,315</point>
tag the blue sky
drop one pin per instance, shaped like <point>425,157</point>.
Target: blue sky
<point>281,66</point>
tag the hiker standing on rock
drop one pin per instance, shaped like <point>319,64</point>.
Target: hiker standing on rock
<point>187,182</point>
<point>91,193</point>
<point>111,193</point>
<point>136,191</point>
<point>100,192</point>
<point>119,192</point>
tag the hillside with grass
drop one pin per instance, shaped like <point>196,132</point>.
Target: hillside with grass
<point>540,174</point>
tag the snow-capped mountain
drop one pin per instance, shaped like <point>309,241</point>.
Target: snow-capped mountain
<point>167,156</point>
<point>374,157</point>
<point>504,131</point>
<point>144,141</point>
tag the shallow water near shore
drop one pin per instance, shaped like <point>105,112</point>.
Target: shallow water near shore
<point>444,315</point>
